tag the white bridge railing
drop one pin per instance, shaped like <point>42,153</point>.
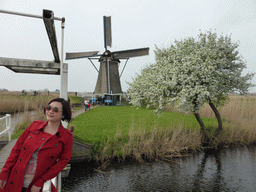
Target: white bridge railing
<point>5,126</point>
<point>56,181</point>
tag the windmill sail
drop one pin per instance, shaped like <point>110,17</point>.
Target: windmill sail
<point>130,53</point>
<point>107,32</point>
<point>78,55</point>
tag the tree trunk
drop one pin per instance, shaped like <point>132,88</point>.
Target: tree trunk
<point>217,115</point>
<point>201,123</point>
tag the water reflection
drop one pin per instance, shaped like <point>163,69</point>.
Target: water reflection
<point>213,182</point>
<point>221,170</point>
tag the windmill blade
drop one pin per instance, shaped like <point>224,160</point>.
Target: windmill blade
<point>107,32</point>
<point>78,55</point>
<point>130,53</point>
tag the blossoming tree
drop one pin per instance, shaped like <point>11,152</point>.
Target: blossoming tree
<point>190,73</point>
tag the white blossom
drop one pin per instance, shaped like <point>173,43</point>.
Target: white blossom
<point>191,72</point>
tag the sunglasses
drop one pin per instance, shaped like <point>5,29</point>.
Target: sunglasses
<point>54,109</point>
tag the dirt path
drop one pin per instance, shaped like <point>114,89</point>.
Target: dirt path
<point>79,112</point>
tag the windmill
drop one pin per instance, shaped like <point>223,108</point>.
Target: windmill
<point>108,74</point>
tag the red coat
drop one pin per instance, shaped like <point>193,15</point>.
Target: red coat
<point>52,157</point>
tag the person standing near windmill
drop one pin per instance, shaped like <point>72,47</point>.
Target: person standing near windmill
<point>86,104</point>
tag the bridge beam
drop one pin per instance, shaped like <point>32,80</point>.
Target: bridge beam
<point>31,66</point>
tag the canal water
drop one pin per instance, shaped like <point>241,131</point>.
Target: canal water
<point>223,170</point>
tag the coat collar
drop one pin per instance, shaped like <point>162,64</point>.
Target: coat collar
<point>59,132</point>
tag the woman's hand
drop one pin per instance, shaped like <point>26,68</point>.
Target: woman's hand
<point>2,184</point>
<point>35,189</point>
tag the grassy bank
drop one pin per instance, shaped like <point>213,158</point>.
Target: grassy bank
<point>127,132</point>
<point>122,132</point>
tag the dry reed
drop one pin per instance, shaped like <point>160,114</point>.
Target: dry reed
<point>158,144</point>
<point>239,122</point>
<point>13,103</point>
<point>239,117</point>
<point>30,106</point>
<point>163,144</point>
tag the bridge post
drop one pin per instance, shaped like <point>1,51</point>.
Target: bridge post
<point>8,126</point>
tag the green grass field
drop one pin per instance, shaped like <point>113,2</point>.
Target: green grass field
<point>75,99</point>
<point>103,123</point>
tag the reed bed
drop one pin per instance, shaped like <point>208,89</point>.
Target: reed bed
<point>13,103</point>
<point>239,129</point>
<point>158,144</point>
<point>30,106</point>
<point>239,117</point>
<point>239,111</point>
<point>161,142</point>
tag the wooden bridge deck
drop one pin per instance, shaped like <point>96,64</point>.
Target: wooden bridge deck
<point>5,152</point>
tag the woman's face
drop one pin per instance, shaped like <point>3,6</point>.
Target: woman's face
<point>51,114</point>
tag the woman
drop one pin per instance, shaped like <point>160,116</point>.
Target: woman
<point>40,153</point>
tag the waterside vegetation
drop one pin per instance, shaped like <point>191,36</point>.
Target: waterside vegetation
<point>14,103</point>
<point>125,132</point>
<point>122,133</point>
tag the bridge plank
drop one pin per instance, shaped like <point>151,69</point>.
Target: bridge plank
<point>5,152</point>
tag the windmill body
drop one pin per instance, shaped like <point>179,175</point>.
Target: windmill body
<point>114,79</point>
<point>108,81</point>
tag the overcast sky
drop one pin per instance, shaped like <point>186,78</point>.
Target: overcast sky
<point>135,24</point>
